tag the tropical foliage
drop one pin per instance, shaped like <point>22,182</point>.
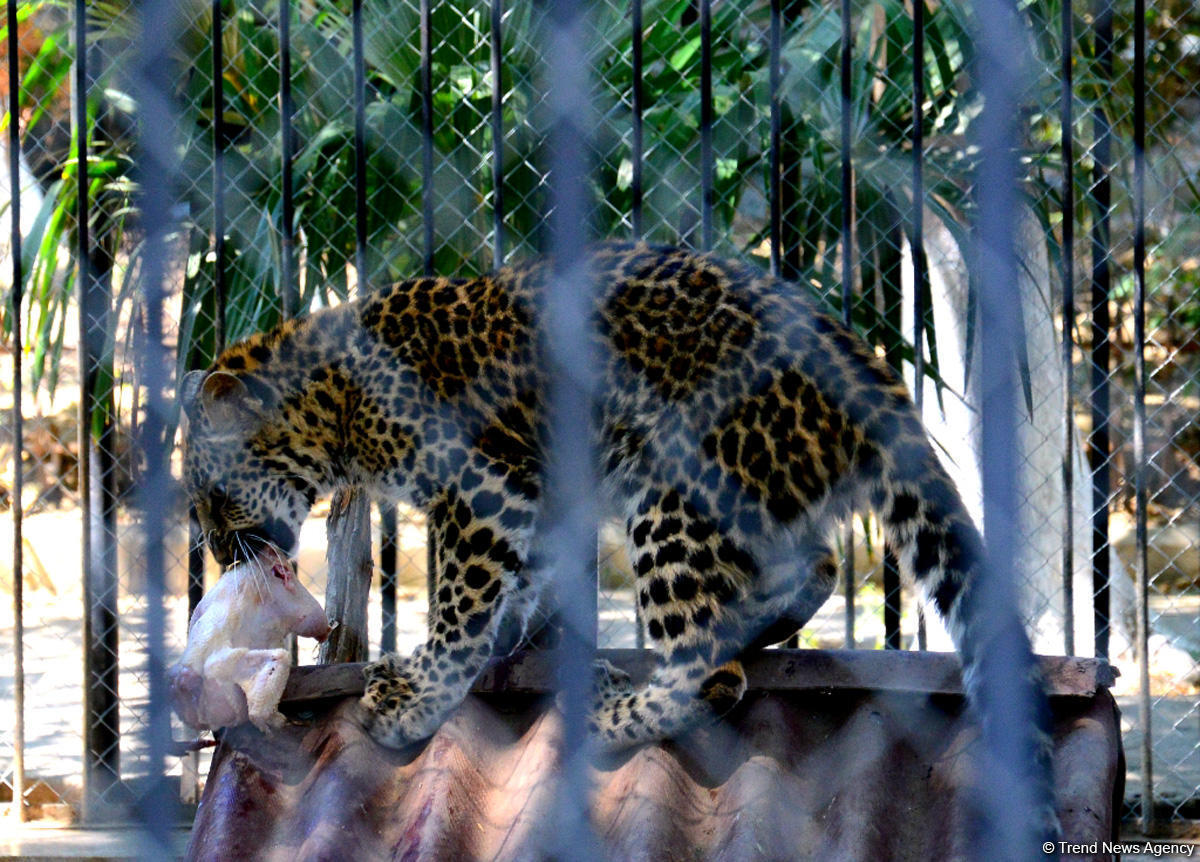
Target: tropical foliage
<point>462,193</point>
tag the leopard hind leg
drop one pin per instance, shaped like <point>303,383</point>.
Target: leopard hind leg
<point>695,589</point>
<point>812,586</point>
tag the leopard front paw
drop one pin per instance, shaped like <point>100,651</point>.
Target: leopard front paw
<point>397,710</point>
<point>389,687</point>
<point>724,687</point>
<point>389,666</point>
<point>607,677</point>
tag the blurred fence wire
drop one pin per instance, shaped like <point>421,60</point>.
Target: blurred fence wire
<point>313,151</point>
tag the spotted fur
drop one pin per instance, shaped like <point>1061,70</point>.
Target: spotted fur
<point>736,421</point>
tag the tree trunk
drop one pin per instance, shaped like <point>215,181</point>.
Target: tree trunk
<point>348,531</point>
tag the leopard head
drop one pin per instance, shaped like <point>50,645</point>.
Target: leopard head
<point>245,486</point>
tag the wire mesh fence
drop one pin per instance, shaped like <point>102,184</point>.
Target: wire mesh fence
<point>326,149</point>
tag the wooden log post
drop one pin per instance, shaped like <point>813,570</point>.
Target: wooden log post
<point>348,553</point>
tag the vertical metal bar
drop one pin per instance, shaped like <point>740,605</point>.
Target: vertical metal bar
<point>917,236</point>
<point>774,180</point>
<point>706,124</point>
<point>1068,327</point>
<point>288,291</point>
<point>195,563</point>
<point>189,787</point>
<point>96,478</point>
<point>427,215</point>
<point>497,45</point>
<point>848,575</point>
<point>1141,465</point>
<point>1012,710</point>
<point>91,779</point>
<point>360,149</point>
<point>18,419</point>
<point>774,191</point>
<point>348,527</point>
<point>922,634</point>
<point>151,81</point>
<point>218,190</point>
<point>571,536</point>
<point>189,777</point>
<point>918,203</point>
<point>427,136</point>
<point>387,577</point>
<point>637,154</point>
<point>387,510</point>
<point>918,233</point>
<point>848,584</point>
<point>1100,447</point>
<point>891,600</point>
<point>891,275</point>
<point>195,558</point>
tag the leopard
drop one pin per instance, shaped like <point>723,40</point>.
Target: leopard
<point>736,422</point>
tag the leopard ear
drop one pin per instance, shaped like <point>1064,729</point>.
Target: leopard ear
<point>227,402</point>
<point>189,391</point>
<point>221,386</point>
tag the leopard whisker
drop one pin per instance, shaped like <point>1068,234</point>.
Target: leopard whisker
<point>258,581</point>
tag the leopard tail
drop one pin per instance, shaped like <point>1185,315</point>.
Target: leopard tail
<point>934,538</point>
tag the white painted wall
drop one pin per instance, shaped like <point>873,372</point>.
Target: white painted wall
<point>1040,438</point>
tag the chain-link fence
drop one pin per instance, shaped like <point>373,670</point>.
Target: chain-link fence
<point>327,148</point>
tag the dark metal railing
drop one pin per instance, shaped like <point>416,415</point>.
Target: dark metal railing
<point>917,237</point>
<point>707,162</point>
<point>636,142</point>
<point>1100,446</point>
<point>849,581</point>
<point>18,419</point>
<point>775,46</point>
<point>1141,465</point>
<point>102,751</point>
<point>496,37</point>
<point>1067,311</point>
<point>427,185</point>
<point>287,241</point>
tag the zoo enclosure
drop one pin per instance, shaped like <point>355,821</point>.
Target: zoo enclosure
<point>825,139</point>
